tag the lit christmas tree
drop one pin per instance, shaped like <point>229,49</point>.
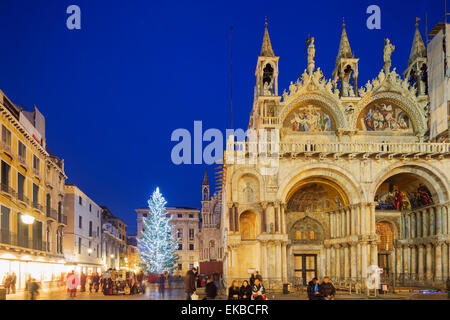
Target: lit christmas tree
<point>157,245</point>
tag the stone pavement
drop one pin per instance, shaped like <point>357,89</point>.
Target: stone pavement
<point>178,294</point>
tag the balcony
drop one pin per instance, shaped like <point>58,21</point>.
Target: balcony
<point>61,218</point>
<point>37,206</point>
<point>21,197</point>
<point>6,147</point>
<point>37,172</point>
<point>22,161</point>
<point>6,189</point>
<point>13,239</point>
<point>93,234</point>
<point>52,214</point>
<point>269,121</point>
<point>365,150</point>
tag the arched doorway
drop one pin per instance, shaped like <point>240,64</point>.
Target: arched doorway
<point>308,208</point>
<point>306,232</point>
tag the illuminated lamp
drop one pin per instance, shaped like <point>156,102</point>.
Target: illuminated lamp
<point>27,219</point>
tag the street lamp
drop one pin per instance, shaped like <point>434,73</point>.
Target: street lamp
<point>89,250</point>
<point>27,219</point>
<point>112,256</point>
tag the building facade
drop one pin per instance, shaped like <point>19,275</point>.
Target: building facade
<point>347,178</point>
<point>31,197</point>
<point>186,223</point>
<point>82,243</point>
<point>210,235</point>
<point>114,240</point>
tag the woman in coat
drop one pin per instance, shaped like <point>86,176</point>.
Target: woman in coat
<point>245,292</point>
<point>233,291</point>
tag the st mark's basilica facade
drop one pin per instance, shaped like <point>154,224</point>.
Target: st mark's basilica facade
<point>358,182</point>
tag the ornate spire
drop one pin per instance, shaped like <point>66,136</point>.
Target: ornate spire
<point>344,47</point>
<point>205,179</point>
<point>418,47</point>
<point>266,49</point>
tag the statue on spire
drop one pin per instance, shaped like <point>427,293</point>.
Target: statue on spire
<point>311,55</point>
<point>388,49</point>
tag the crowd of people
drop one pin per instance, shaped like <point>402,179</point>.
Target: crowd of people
<point>9,282</point>
<point>111,282</point>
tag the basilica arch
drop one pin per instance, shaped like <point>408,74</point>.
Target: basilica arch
<point>327,104</point>
<point>351,190</point>
<point>411,109</point>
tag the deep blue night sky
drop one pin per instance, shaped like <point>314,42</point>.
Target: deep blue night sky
<point>113,92</point>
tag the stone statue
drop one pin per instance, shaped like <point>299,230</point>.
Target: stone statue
<point>311,55</point>
<point>248,193</point>
<point>388,49</point>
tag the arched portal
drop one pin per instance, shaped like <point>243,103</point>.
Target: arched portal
<point>316,195</point>
<point>404,191</point>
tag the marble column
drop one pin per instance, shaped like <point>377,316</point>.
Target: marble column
<point>264,219</point>
<point>420,274</point>
<point>264,262</point>
<point>352,220</point>
<point>347,214</point>
<point>358,255</point>
<point>346,263</point>
<point>398,261</point>
<point>330,222</point>
<point>437,262</point>
<point>428,265</point>
<point>236,218</point>
<point>284,262</point>
<point>230,217</point>
<point>363,219</point>
<point>277,230</point>
<point>283,218</point>
<point>408,226</point>
<point>445,258</point>
<point>419,224</point>
<point>444,220</point>
<point>353,262</point>
<point>278,261</point>
<point>425,223</point>
<point>413,225</point>
<point>364,258</point>
<point>405,261</point>
<point>328,262</point>
<point>413,262</point>
<point>333,263</point>
<point>432,221</point>
<point>337,261</point>
<point>373,254</point>
<point>358,219</point>
<point>439,220</point>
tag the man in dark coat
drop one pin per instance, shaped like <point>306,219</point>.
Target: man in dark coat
<point>211,290</point>
<point>313,290</point>
<point>189,283</point>
<point>327,290</point>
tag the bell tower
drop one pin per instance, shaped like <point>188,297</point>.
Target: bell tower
<point>416,72</point>
<point>266,69</point>
<point>346,68</point>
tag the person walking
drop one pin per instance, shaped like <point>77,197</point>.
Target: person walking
<point>162,284</point>
<point>327,290</point>
<point>313,290</point>
<point>83,282</point>
<point>189,283</point>
<point>72,284</point>
<point>13,283</point>
<point>245,292</point>
<point>34,289</point>
<point>233,291</point>
<point>258,290</point>
<point>211,290</point>
<point>7,282</point>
